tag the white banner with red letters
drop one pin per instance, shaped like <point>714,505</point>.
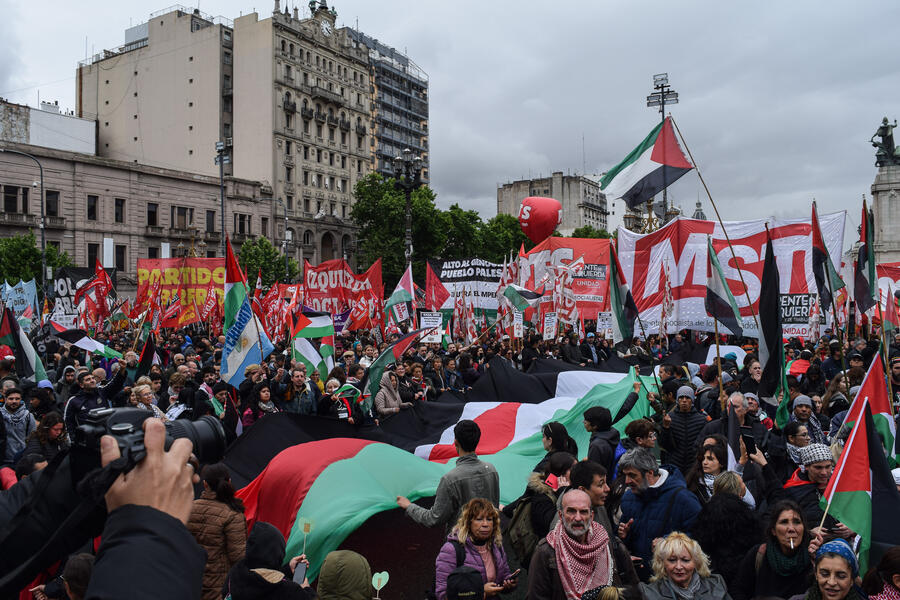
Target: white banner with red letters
<point>680,246</point>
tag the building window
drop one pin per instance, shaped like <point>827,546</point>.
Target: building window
<point>10,199</point>
<point>331,134</point>
<point>210,220</point>
<point>52,205</point>
<point>287,147</point>
<point>306,204</point>
<point>288,174</point>
<point>92,202</point>
<point>307,237</point>
<point>264,226</point>
<point>288,121</point>
<point>318,131</point>
<point>120,210</point>
<point>289,202</point>
<point>120,258</point>
<point>93,252</point>
<point>152,252</point>
<point>227,58</point>
<point>182,217</point>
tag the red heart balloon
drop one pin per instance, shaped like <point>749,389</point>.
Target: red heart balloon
<point>539,216</point>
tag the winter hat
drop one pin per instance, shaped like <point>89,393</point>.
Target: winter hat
<point>685,390</point>
<point>726,378</point>
<point>265,547</point>
<point>814,453</point>
<point>599,417</point>
<point>802,400</point>
<point>220,387</point>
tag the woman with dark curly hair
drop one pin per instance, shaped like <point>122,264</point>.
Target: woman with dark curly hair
<point>49,438</point>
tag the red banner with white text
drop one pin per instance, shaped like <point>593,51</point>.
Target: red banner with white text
<point>680,247</point>
<point>590,285</point>
<point>191,278</point>
<point>333,287</point>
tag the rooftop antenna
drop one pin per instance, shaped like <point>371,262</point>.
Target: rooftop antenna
<point>583,159</point>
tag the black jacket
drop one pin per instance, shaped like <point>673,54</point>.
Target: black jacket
<point>86,400</point>
<point>720,426</point>
<point>749,582</point>
<point>726,529</point>
<point>679,439</point>
<point>602,448</point>
<point>170,566</point>
<point>529,355</point>
<point>571,354</point>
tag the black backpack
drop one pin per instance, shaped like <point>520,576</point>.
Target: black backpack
<point>464,582</point>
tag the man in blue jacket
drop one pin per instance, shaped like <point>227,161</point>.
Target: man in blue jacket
<point>656,503</point>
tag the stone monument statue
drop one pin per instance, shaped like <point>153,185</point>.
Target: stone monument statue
<point>887,153</point>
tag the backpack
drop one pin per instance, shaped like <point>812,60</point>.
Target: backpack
<point>520,532</point>
<point>464,582</point>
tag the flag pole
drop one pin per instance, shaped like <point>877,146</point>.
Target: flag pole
<point>725,231</point>
<point>883,352</point>
<point>719,362</point>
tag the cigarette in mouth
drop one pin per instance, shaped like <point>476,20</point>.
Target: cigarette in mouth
<point>792,543</point>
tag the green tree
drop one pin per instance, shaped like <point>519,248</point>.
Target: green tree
<point>501,235</point>
<point>20,258</point>
<point>380,214</point>
<point>588,231</point>
<point>259,254</point>
<point>464,228</point>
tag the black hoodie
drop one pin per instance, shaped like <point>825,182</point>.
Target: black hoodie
<point>251,578</point>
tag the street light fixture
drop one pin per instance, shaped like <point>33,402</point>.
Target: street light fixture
<point>43,233</point>
<point>408,177</point>
<point>222,158</point>
<point>662,96</point>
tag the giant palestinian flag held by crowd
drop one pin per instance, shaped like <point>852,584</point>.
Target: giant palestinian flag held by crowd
<point>246,342</point>
<point>771,350</point>
<point>655,164</point>
<point>873,392</point>
<point>339,483</point>
<point>861,492</point>
<point>720,303</point>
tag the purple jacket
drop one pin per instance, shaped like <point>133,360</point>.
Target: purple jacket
<point>446,562</point>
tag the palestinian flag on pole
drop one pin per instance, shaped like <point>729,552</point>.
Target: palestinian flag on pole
<point>827,279</point>
<point>148,357</point>
<point>873,392</point>
<point>655,164</point>
<point>435,291</point>
<point>391,355</point>
<point>403,292</point>
<point>720,303</point>
<point>621,303</point>
<point>246,342</point>
<point>309,324</point>
<point>304,351</point>
<point>771,349</point>
<point>521,298</point>
<point>864,281</point>
<point>891,319</point>
<point>861,492</point>
<point>80,339</point>
<point>28,363</point>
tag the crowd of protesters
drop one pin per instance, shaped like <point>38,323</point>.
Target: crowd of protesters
<point>667,510</point>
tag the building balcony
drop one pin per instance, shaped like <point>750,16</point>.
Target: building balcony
<point>320,117</point>
<point>289,160</point>
<point>18,219</point>
<point>154,231</point>
<point>240,238</point>
<point>362,129</point>
<point>212,236</point>
<point>307,113</point>
<point>175,232</point>
<point>333,120</point>
<point>345,125</point>
<point>227,90</point>
<point>320,92</point>
<point>55,222</point>
<point>289,106</point>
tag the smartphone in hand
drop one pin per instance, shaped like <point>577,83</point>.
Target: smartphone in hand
<point>300,573</point>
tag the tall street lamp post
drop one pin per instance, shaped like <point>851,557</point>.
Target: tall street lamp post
<point>408,177</point>
<point>43,232</point>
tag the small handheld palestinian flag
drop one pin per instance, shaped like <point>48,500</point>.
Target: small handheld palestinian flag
<point>521,298</point>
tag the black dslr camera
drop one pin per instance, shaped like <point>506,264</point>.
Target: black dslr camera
<point>126,425</point>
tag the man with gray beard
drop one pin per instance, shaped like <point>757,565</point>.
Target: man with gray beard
<point>576,556</point>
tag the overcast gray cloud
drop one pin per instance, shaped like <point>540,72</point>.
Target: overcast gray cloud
<point>778,100</point>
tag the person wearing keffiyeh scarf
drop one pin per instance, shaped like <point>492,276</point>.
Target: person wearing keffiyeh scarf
<point>582,554</point>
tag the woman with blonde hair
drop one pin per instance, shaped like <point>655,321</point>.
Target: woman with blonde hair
<point>477,533</point>
<point>142,397</point>
<point>681,572</point>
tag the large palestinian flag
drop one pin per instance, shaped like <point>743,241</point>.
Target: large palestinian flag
<point>338,484</point>
<point>873,393</point>
<point>655,164</point>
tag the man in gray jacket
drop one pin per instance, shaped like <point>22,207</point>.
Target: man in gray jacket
<point>470,478</point>
<point>19,425</point>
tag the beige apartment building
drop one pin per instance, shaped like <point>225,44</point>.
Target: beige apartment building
<point>582,201</point>
<point>290,98</point>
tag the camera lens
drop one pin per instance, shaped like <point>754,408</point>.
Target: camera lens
<point>206,434</point>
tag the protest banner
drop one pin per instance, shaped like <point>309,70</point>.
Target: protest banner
<point>431,321</point>
<point>189,277</point>
<point>550,326</point>
<point>333,287</point>
<point>477,279</point>
<point>681,245</point>
<point>66,280</point>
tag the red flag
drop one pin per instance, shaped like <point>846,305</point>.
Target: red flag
<point>435,292</point>
<point>210,303</point>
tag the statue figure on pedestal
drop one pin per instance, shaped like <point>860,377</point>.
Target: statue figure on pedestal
<point>887,153</point>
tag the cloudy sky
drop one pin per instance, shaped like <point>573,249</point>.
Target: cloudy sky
<point>778,100</point>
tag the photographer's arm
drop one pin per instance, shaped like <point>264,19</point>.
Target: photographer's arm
<point>148,508</point>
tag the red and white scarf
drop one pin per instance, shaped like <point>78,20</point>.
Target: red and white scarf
<point>581,567</point>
